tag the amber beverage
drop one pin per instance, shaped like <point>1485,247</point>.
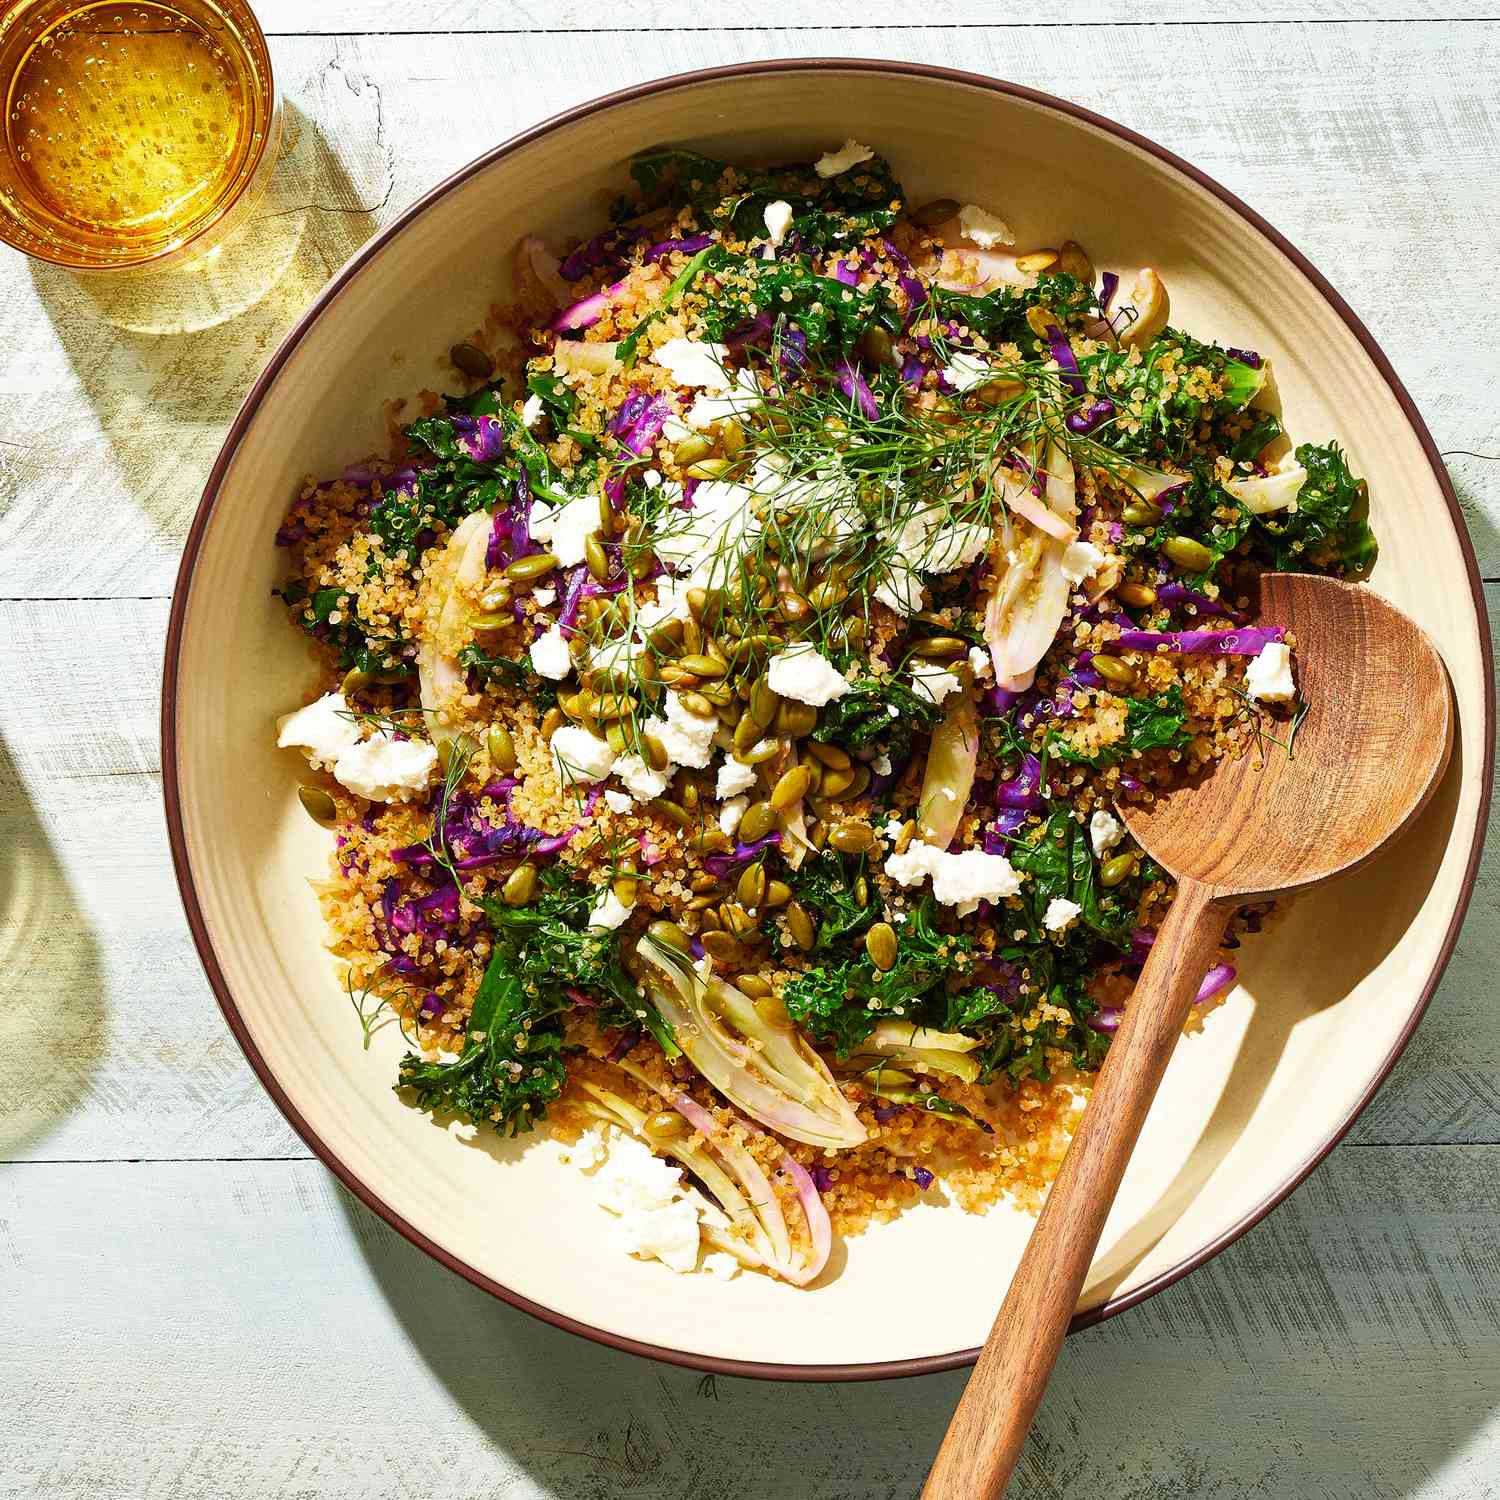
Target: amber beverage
<point>136,135</point>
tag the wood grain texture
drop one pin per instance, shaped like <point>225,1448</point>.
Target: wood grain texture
<point>185,1326</point>
<point>1377,159</point>
<point>189,1331</point>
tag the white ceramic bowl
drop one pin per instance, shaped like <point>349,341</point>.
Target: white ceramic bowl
<point>1249,1106</point>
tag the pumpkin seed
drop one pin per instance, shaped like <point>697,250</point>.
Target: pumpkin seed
<point>520,886</point>
<point>791,788</point>
<point>795,719</point>
<point>1113,871</point>
<point>529,569</point>
<point>495,598</point>
<point>1073,260</point>
<point>750,888</point>
<point>800,925</point>
<point>1136,595</point>
<point>1040,320</point>
<point>695,702</point>
<point>501,747</point>
<point>758,821</point>
<point>552,721</point>
<point>655,752</point>
<point>939,211</point>
<point>792,608</point>
<point>690,450</point>
<point>1114,671</point>
<point>856,788</point>
<point>771,1010</point>
<point>747,733</point>
<point>708,918</point>
<point>319,806</point>
<point>596,557</point>
<point>760,751</point>
<point>831,755</point>
<point>614,706</point>
<point>664,1125</point>
<point>669,935</point>
<point>666,638</point>
<point>736,919</point>
<point>875,346</point>
<point>701,884</point>
<point>708,468</point>
<point>817,836</point>
<point>754,986</point>
<point>1037,260</point>
<point>1187,555</point>
<point>721,945</point>
<point>940,648</point>
<point>998,392</point>
<point>718,695</point>
<point>702,666</point>
<point>836,781</point>
<point>710,841</point>
<point>852,838</point>
<point>474,362</point>
<point>827,595</point>
<point>1140,513</point>
<point>880,944</point>
<point>671,812</point>
<point>764,701</point>
<point>904,837</point>
<point>778,893</point>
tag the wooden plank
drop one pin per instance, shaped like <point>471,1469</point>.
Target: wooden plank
<point>352,17</point>
<point>98,974</point>
<point>193,1330</point>
<point>1377,158</point>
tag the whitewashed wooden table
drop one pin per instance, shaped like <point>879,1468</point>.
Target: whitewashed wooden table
<point>191,1307</point>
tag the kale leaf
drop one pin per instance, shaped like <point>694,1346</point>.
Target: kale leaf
<point>877,713</point>
<point>829,314</point>
<point>825,210</point>
<point>514,672</point>
<point>1061,865</point>
<point>1329,528</point>
<point>511,1067</point>
<point>833,1003</point>
<point>824,889</point>
<point>1155,723</point>
<point>1001,315</point>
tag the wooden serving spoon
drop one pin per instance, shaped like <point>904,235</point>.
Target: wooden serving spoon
<point>1369,753</point>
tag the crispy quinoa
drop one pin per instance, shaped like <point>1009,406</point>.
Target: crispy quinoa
<point>728,697</point>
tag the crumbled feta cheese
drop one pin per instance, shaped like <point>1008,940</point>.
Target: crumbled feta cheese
<point>566,528</point>
<point>980,661</point>
<point>656,1218</point>
<point>385,769</point>
<point>934,682</point>
<point>983,228</point>
<point>742,397</point>
<point>1060,911</point>
<point>320,729</point>
<point>531,411</point>
<point>690,362</point>
<point>778,217</point>
<point>589,1151</point>
<point>544,597</point>
<point>881,766</point>
<point>1081,560</point>
<point>955,546</point>
<point>964,371</point>
<point>807,676</point>
<point>731,810</point>
<point>959,880</point>
<point>675,430</point>
<point>549,654</point>
<point>580,756</point>
<point>610,912</point>
<point>901,591</point>
<point>640,780</point>
<point>834,163</point>
<point>618,802</point>
<point>1105,831</point>
<point>733,778</point>
<point>687,737</point>
<point>893,827</point>
<point>710,535</point>
<point>1268,679</point>
<point>722,1265</point>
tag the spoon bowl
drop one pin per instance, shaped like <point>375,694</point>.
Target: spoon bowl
<point>1374,734</point>
<point>1369,748</point>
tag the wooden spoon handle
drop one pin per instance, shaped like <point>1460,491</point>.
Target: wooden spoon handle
<point>988,1430</point>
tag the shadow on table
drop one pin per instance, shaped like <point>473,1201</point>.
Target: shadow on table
<point>166,358</point>
<point>52,1016</point>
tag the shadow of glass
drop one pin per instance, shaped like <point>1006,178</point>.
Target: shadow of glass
<point>1288,993</point>
<point>52,1007</point>
<point>165,359</point>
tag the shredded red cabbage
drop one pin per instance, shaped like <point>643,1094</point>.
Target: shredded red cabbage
<point>572,597</point>
<point>482,438</point>
<point>1085,421</point>
<point>923,1177</point>
<point>1024,790</point>
<point>1246,357</point>
<point>1062,352</point>
<point>720,865</point>
<point>586,311</point>
<point>605,249</point>
<point>1109,284</point>
<point>639,421</point>
<point>1180,593</point>
<point>1215,982</point>
<point>1245,641</point>
<point>690,246</point>
<point>857,389</point>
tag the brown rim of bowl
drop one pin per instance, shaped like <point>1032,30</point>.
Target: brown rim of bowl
<point>881,1370</point>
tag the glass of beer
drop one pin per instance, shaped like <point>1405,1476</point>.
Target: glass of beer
<point>137,135</point>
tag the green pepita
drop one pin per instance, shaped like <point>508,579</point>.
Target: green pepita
<point>669,935</point>
<point>1114,671</point>
<point>758,821</point>
<point>939,211</point>
<point>520,886</point>
<point>596,557</point>
<point>501,747</point>
<point>319,806</point>
<point>750,888</point>
<point>1140,513</point>
<point>800,925</point>
<point>1136,595</point>
<point>529,569</point>
<point>791,788</point>
<point>473,361</point>
<point>1113,871</point>
<point>880,944</point>
<point>1187,555</point>
<point>852,838</point>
